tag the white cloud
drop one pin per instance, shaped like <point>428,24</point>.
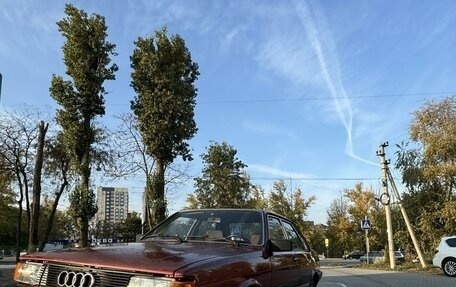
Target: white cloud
<point>230,37</point>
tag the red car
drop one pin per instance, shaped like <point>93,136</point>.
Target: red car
<point>209,247</point>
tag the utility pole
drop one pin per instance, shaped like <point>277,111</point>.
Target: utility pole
<point>385,199</point>
<point>407,221</point>
<point>367,241</point>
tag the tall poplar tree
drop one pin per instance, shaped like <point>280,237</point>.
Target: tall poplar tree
<point>163,78</point>
<point>86,54</point>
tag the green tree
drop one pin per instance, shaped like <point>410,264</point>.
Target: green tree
<point>223,182</point>
<point>163,78</point>
<point>339,227</point>
<point>131,227</point>
<point>378,237</point>
<point>7,201</point>
<point>422,199</point>
<point>257,197</point>
<point>316,236</point>
<point>345,215</point>
<point>433,128</point>
<point>428,166</point>
<point>292,205</point>
<point>86,54</point>
<point>361,201</point>
<point>361,204</point>
<point>60,220</point>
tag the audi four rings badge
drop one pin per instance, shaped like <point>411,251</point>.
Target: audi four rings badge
<point>75,279</point>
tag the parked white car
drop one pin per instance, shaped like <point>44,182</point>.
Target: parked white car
<point>445,255</point>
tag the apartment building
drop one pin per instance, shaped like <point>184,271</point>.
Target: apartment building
<point>112,204</point>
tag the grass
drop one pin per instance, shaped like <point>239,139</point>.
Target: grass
<point>404,267</point>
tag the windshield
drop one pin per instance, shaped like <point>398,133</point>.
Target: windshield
<point>244,226</point>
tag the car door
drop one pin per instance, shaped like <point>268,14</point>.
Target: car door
<point>284,264</point>
<point>301,253</point>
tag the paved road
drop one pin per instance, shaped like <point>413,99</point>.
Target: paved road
<point>354,277</point>
<point>6,275</point>
<point>6,271</point>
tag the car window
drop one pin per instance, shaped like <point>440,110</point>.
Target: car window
<point>292,234</point>
<point>275,229</point>
<point>180,226</point>
<point>250,230</point>
<point>202,227</point>
<point>451,242</point>
<point>223,225</point>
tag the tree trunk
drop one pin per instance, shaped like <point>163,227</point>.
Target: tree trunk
<point>83,232</point>
<point>159,193</point>
<point>26,195</point>
<point>83,220</point>
<point>148,199</point>
<point>85,188</point>
<point>19,217</point>
<point>36,199</point>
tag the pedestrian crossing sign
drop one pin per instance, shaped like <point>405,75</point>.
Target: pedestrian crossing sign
<point>365,224</point>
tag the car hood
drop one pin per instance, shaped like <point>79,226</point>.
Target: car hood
<point>149,257</point>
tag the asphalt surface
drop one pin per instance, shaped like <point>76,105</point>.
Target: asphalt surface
<point>354,277</point>
<point>6,271</point>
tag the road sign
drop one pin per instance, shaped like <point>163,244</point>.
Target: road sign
<point>365,224</point>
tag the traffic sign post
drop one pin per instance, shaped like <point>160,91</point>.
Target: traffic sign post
<point>327,247</point>
<point>366,226</point>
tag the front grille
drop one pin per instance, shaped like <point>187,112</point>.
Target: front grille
<point>103,278</point>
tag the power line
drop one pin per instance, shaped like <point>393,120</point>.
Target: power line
<point>277,100</point>
<point>323,98</point>
<point>316,178</point>
<point>283,178</point>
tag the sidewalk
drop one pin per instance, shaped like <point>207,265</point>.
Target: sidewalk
<point>8,260</point>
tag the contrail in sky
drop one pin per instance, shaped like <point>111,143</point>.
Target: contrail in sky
<point>329,66</point>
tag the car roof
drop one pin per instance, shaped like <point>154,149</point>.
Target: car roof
<point>447,237</point>
<point>264,211</point>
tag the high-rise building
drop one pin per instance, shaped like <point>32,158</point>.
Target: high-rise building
<point>112,204</point>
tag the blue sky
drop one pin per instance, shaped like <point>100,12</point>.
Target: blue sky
<point>305,91</point>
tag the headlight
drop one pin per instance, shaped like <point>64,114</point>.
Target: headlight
<point>139,281</point>
<point>28,273</point>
